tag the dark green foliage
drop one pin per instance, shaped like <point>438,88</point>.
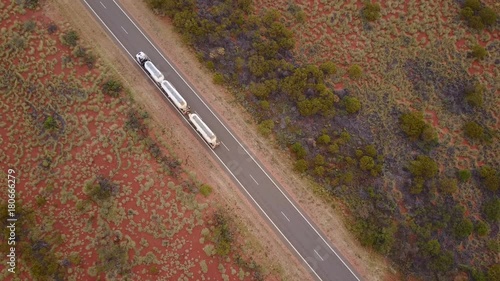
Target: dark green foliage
<point>112,87</point>
<point>417,185</point>
<point>264,89</point>
<point>323,139</point>
<point>352,104</point>
<point>473,130</point>
<point>218,78</point>
<point>479,52</point>
<point>205,190</point>
<point>412,124</point>
<point>474,96</point>
<point>488,16</point>
<point>432,247</point>
<point>79,52</point>
<point>467,13</point>
<point>494,272</point>
<point>463,228</point>
<point>372,235</point>
<point>222,234</point>
<point>319,160</point>
<point>70,38</point>
<point>264,104</point>
<point>50,123</point>
<point>89,60</point>
<point>355,71</point>
<point>266,127</point>
<point>370,150</point>
<point>371,11</point>
<point>464,175</point>
<point>299,150</point>
<point>448,185</point>
<point>443,262</point>
<point>490,178</point>
<point>482,228</point>
<point>474,5</point>
<point>424,167</point>
<point>333,148</point>
<point>328,68</point>
<point>366,163</point>
<point>301,165</point>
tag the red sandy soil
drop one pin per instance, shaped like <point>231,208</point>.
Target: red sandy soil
<point>91,156</point>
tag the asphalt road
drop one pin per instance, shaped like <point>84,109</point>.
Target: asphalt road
<point>294,227</point>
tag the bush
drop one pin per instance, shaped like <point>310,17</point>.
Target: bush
<point>479,52</point>
<point>482,228</point>
<point>474,96</point>
<point>370,150</point>
<point>366,163</point>
<point>352,104</point>
<point>488,16</point>
<point>52,28</point>
<point>301,165</point>
<point>218,79</point>
<point>464,175</point>
<point>355,71</point>
<point>89,60</point>
<point>473,131</point>
<point>264,104</point>
<point>412,124</point>
<point>299,150</point>
<point>319,160</point>
<point>443,262</point>
<point>417,185</point>
<point>424,167</point>
<point>371,11</point>
<point>492,209</point>
<point>333,148</point>
<point>50,123</point>
<point>31,4</point>
<point>328,68</point>
<point>70,38</point>
<point>205,190</point>
<point>494,272</point>
<point>474,5</point>
<point>323,139</point>
<point>29,26</point>
<point>112,87</point>
<point>432,247</point>
<point>490,178</point>
<point>266,127</point>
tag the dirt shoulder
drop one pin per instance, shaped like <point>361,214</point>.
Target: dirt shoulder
<point>370,267</point>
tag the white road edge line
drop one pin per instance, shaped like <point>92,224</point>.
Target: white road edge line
<point>285,216</point>
<point>124,30</point>
<point>102,5</point>
<point>224,145</point>
<point>318,255</point>
<point>254,179</point>
<point>220,160</point>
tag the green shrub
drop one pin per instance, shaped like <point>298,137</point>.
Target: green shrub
<point>424,167</point>
<point>50,123</point>
<point>112,87</point>
<point>490,178</point>
<point>482,228</point>
<point>319,160</point>
<point>442,262</point>
<point>352,104</point>
<point>355,71</point>
<point>218,79</point>
<point>412,124</point>
<point>370,150</point>
<point>323,139</point>
<point>205,190</point>
<point>366,163</point>
<point>333,148</point>
<point>417,185</point>
<point>301,165</point>
<point>30,4</point>
<point>266,127</point>
<point>466,13</point>
<point>299,150</point>
<point>492,209</point>
<point>474,96</point>
<point>264,104</point>
<point>464,175</point>
<point>319,171</point>
<point>432,247</point>
<point>70,38</point>
<point>328,68</point>
<point>494,272</point>
<point>29,26</point>
<point>488,16</point>
<point>479,52</point>
<point>474,5</point>
<point>473,130</point>
<point>371,11</point>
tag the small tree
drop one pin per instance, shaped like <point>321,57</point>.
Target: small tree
<point>355,71</point>
<point>70,38</point>
<point>299,150</point>
<point>323,139</point>
<point>473,130</point>
<point>218,78</point>
<point>464,175</point>
<point>474,5</point>
<point>266,127</point>
<point>490,178</point>
<point>112,87</point>
<point>423,166</point>
<point>479,52</point>
<point>474,96</point>
<point>301,165</point>
<point>412,124</point>
<point>492,209</point>
<point>371,11</point>
<point>352,104</point>
<point>432,247</point>
<point>482,228</point>
<point>488,16</point>
<point>328,68</point>
<point>50,123</point>
<point>463,228</point>
<point>366,163</point>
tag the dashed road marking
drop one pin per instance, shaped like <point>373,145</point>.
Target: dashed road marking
<point>124,30</point>
<point>318,255</point>
<point>224,145</point>
<point>103,5</point>
<point>285,217</point>
<point>254,179</point>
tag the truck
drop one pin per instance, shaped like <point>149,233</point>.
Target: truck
<point>203,130</point>
<point>174,96</point>
<point>150,68</point>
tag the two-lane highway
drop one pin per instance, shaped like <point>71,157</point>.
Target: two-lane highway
<point>289,221</point>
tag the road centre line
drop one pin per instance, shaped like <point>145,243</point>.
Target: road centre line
<point>318,255</point>
<point>102,5</point>
<point>124,30</point>
<point>285,216</point>
<point>254,179</point>
<point>321,237</point>
<point>224,145</point>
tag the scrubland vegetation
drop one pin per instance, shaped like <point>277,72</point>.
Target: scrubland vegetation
<point>99,194</point>
<point>392,107</point>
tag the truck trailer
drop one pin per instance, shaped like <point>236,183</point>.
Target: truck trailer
<point>203,129</point>
<point>174,96</point>
<point>150,68</point>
